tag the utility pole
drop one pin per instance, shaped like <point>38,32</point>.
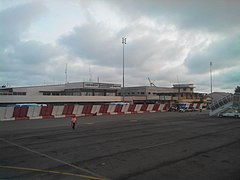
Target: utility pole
<point>211,79</point>
<point>123,91</point>
<point>66,74</point>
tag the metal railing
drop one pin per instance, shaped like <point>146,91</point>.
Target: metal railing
<point>221,102</point>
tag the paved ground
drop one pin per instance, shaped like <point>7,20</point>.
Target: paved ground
<point>126,147</point>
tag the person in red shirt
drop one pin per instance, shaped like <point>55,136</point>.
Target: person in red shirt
<point>73,121</point>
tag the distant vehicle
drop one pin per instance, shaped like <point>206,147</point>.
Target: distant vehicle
<point>119,103</point>
<point>33,104</point>
<point>173,109</point>
<point>234,114</point>
<point>185,110</point>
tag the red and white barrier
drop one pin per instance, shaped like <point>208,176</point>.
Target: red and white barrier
<point>46,112</point>
<point>58,111</point>
<point>34,112</point>
<point>7,113</point>
<point>78,110</point>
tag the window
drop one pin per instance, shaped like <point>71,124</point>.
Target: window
<point>46,93</point>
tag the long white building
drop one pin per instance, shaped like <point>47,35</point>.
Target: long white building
<point>78,92</point>
<point>94,92</point>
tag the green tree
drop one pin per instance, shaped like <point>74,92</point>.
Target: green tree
<point>237,89</point>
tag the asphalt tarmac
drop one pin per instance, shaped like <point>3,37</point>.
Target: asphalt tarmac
<point>149,146</point>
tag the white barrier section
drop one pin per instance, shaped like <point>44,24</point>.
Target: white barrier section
<point>58,111</point>
<point>161,107</point>
<point>125,108</point>
<point>30,111</point>
<point>2,113</point>
<point>36,113</point>
<point>95,109</point>
<point>78,110</point>
<point>138,107</point>
<point>111,108</point>
<point>9,113</point>
<point>150,108</point>
<point>195,105</point>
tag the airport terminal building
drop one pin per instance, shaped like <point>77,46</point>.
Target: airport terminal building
<point>95,92</point>
<point>78,92</point>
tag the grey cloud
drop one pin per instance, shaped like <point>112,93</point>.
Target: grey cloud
<point>214,15</point>
<point>93,43</point>
<point>27,62</point>
<point>34,52</point>
<point>15,21</point>
<point>223,53</point>
<point>229,79</point>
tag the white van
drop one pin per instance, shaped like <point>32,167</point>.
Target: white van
<point>234,114</point>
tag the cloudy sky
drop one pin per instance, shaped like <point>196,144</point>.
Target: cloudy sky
<point>169,41</point>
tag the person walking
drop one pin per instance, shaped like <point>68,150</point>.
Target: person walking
<point>73,121</point>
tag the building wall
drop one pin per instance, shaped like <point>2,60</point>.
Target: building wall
<point>57,99</point>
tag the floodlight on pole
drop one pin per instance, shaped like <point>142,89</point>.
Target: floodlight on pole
<point>211,79</point>
<point>123,42</point>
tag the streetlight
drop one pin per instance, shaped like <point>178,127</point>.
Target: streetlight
<point>211,81</point>
<point>123,42</point>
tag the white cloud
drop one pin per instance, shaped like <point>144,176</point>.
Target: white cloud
<point>168,41</point>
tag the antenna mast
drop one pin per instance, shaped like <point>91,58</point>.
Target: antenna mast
<point>66,74</point>
<point>90,74</point>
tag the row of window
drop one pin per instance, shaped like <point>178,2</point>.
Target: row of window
<point>90,93</point>
<point>13,93</point>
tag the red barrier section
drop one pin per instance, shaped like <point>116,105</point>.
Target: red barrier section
<point>198,106</point>
<point>65,110</point>
<point>16,112</point>
<point>190,106</point>
<point>118,109</point>
<point>23,111</point>
<point>144,108</point>
<point>43,110</point>
<point>87,109</point>
<point>20,113</point>
<point>104,109</point>
<point>131,108</point>
<point>166,107</point>
<point>156,107</point>
<point>68,110</point>
<point>46,112</point>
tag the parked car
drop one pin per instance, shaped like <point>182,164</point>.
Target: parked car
<point>234,114</point>
<point>185,110</point>
<point>172,109</point>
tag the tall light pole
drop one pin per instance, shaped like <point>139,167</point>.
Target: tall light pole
<point>211,79</point>
<point>123,42</point>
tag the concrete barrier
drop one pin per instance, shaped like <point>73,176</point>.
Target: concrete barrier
<point>95,109</point>
<point>86,111</point>
<point>137,108</point>
<point>2,112</point>
<point>7,114</point>
<point>36,113</point>
<point>58,111</point>
<point>44,112</point>
<point>78,109</point>
<point>125,108</point>
<point>20,113</point>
